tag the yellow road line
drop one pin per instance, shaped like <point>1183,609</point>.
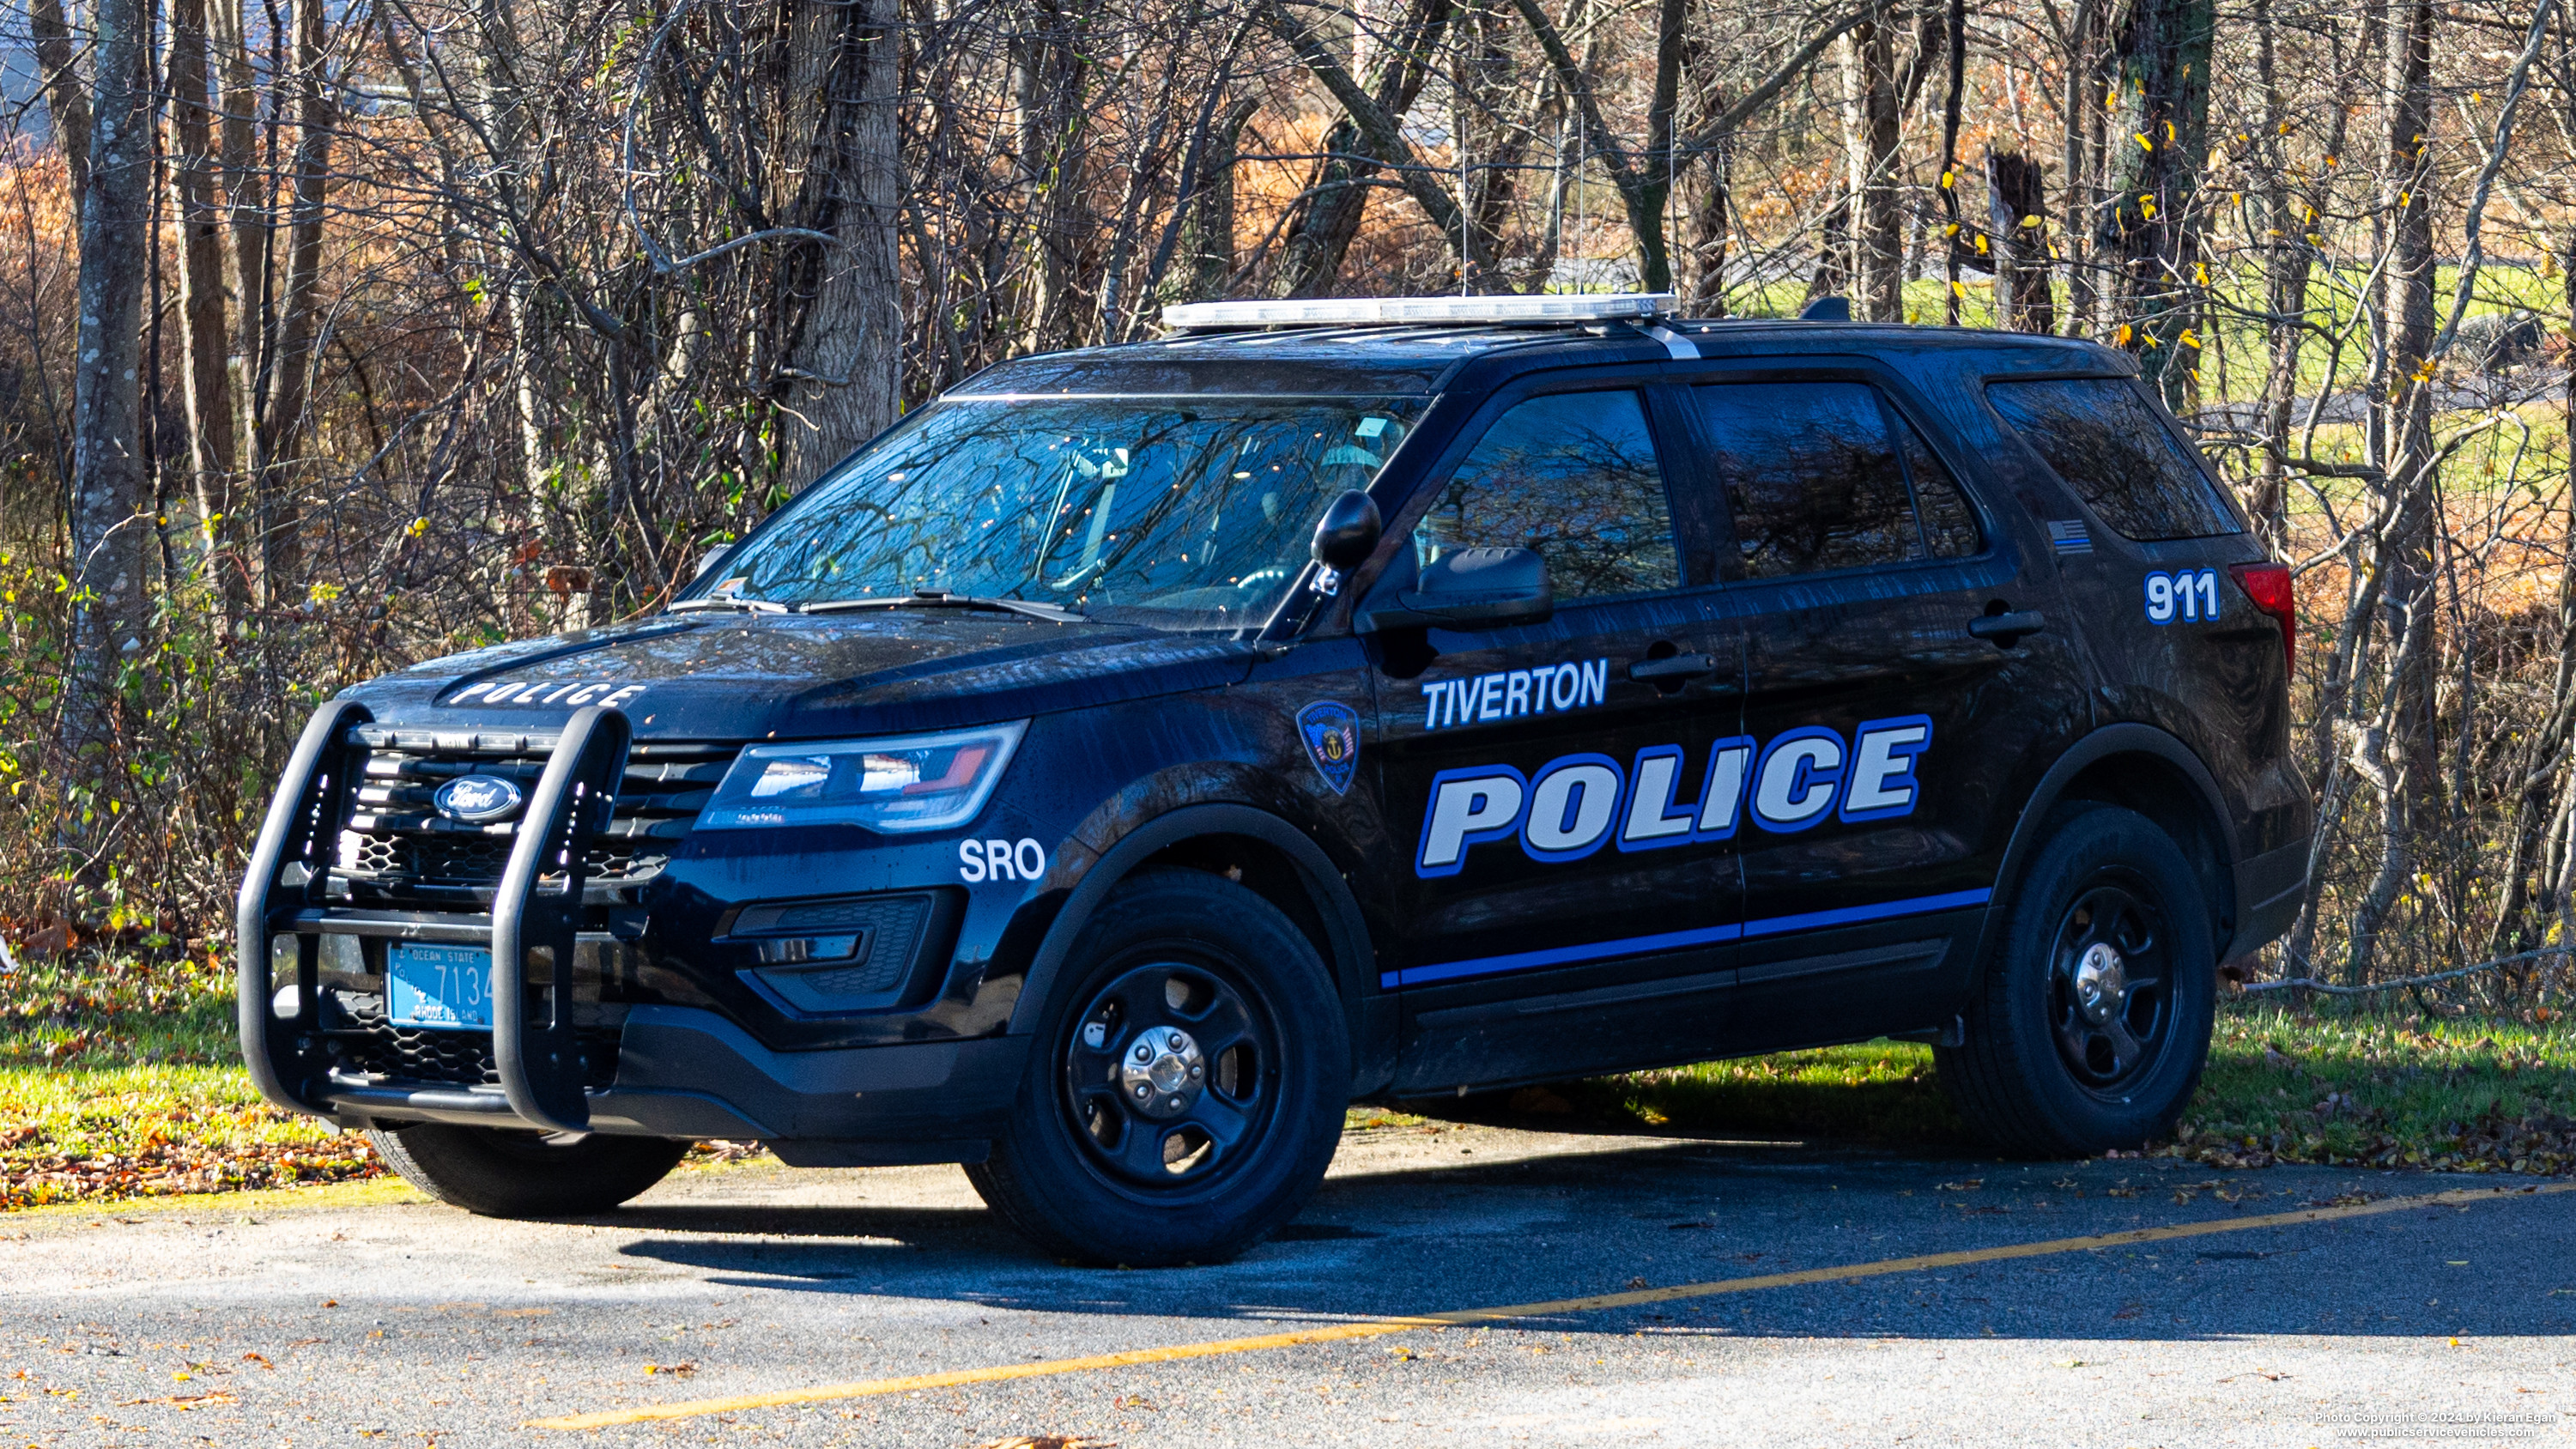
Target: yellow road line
<point>1379,1327</point>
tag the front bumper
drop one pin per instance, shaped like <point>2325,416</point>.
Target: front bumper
<point>688,1073</point>
<point>679,1072</point>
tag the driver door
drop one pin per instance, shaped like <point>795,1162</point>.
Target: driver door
<point>1564,908</point>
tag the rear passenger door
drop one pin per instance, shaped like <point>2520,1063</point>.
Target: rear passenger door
<point>1879,732</point>
<point>1560,913</point>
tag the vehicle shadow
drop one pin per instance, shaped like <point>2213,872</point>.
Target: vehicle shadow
<point>1619,1215</point>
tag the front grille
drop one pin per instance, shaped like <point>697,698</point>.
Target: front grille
<point>369,1045</point>
<point>396,848</point>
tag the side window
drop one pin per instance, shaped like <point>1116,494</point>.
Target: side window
<point>2102,438</point>
<point>1949,524</point>
<point>1573,476</point>
<point>1816,481</point>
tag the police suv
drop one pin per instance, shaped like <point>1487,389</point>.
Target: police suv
<point>1124,762</point>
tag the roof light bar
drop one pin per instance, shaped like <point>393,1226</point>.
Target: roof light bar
<point>1393,311</point>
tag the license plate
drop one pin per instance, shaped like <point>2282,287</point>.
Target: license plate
<point>439,985</point>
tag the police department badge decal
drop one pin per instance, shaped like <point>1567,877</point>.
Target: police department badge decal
<point>1332,735</point>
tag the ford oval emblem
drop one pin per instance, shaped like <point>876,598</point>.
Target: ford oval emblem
<point>476,798</point>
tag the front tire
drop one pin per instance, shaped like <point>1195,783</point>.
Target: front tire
<point>1185,1089</point>
<point>501,1174</point>
<point>2091,1025</point>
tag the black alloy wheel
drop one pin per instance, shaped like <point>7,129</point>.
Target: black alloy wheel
<point>1168,1076</point>
<point>2108,1004</point>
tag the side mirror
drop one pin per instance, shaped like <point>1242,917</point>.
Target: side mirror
<point>1348,532</point>
<point>712,560</point>
<point>1469,588</point>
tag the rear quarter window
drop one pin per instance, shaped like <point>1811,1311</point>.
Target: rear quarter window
<point>2098,435</point>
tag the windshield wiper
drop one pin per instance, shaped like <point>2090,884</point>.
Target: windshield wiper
<point>933,600</point>
<point>748,606</point>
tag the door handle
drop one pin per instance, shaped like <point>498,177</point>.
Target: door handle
<point>2005,628</point>
<point>1676,668</point>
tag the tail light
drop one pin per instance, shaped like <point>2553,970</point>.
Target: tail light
<point>2268,585</point>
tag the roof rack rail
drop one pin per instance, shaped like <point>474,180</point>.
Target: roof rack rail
<point>1405,311</point>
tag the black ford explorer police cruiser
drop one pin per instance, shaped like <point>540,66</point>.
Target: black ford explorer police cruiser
<point>1127,760</point>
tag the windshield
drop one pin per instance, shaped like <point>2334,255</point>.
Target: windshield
<point>1178,513</point>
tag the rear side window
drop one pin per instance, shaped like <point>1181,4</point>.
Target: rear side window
<point>1822,476</point>
<point>1573,476</point>
<point>1949,525</point>
<point>2109,446</point>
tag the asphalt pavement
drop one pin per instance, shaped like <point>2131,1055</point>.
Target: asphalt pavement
<point>2118,1302</point>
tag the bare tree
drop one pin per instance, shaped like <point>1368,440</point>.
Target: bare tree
<point>111,524</point>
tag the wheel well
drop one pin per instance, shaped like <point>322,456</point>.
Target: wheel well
<point>2161,792</point>
<point>1267,872</point>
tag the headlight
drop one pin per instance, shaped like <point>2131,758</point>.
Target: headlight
<point>909,782</point>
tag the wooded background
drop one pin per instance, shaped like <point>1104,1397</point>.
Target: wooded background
<point>338,334</point>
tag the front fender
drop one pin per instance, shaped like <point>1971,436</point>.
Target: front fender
<point>1345,929</point>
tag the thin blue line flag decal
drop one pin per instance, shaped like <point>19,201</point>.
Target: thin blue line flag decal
<point>1332,741</point>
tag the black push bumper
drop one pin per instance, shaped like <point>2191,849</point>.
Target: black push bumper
<point>679,1073</point>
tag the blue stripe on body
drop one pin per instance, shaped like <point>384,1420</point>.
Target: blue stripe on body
<point>1677,940</point>
<point>1853,915</point>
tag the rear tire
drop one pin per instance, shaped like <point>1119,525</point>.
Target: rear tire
<point>2090,1027</point>
<point>502,1174</point>
<point>1219,1132</point>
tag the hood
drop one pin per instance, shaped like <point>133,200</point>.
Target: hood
<point>757,676</point>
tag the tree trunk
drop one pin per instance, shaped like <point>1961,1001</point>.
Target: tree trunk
<point>1870,134</point>
<point>1955,27</point>
<point>2162,72</point>
<point>213,452</point>
<point>1046,70</point>
<point>291,370</point>
<point>2285,285</point>
<point>1310,260</point>
<point>501,108</point>
<point>2074,230</point>
<point>2016,205</point>
<point>1206,243</point>
<point>846,357</point>
<point>245,259</point>
<point>66,103</point>
<point>112,527</point>
<point>1709,237</point>
<point>1833,274</point>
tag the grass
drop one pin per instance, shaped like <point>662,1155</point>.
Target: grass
<point>118,1080</point>
<point>119,1083</point>
<point>77,1008</point>
<point>2361,1090</point>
